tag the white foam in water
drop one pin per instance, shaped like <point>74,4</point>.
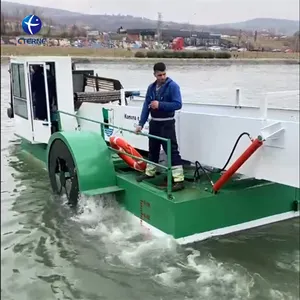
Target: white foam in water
<point>170,276</point>
<point>277,295</point>
<point>210,279</point>
<point>126,242</point>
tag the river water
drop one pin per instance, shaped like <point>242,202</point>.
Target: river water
<point>50,252</point>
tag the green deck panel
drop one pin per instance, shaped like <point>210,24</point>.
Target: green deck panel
<point>39,151</point>
<point>297,195</point>
<point>94,166</point>
<point>195,209</point>
<point>232,208</point>
<point>142,200</point>
<point>102,191</point>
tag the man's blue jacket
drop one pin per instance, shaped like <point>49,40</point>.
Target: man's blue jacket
<point>169,98</point>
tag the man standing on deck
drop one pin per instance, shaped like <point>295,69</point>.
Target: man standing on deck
<point>163,98</point>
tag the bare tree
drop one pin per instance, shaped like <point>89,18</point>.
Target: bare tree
<point>18,27</point>
<point>37,12</point>
<point>25,12</point>
<point>64,31</point>
<point>75,31</point>
<point>48,29</point>
<point>3,24</point>
<point>296,41</point>
<point>82,32</point>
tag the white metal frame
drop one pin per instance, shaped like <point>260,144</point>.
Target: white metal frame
<point>208,137</point>
<point>64,89</point>
<point>41,128</point>
<point>23,126</point>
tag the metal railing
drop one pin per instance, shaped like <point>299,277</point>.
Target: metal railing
<point>242,98</point>
<point>102,125</point>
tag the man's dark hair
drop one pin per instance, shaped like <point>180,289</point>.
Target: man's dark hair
<point>159,67</point>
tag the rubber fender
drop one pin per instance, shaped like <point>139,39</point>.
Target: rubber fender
<point>92,158</point>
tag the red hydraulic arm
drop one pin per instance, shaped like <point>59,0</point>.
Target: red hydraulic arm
<point>238,163</point>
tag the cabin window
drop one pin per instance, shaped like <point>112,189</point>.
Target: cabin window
<point>19,90</point>
<point>22,82</point>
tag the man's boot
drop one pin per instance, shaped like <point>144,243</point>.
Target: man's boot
<point>178,178</point>
<point>149,173</point>
<point>177,186</point>
<point>142,177</point>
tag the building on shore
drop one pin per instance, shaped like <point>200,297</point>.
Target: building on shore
<point>191,38</point>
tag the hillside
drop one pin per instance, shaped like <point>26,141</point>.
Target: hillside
<point>288,27</point>
<point>112,22</point>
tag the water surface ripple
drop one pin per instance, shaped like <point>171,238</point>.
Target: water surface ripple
<point>97,252</point>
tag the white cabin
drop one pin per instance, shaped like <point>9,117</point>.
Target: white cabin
<point>29,125</point>
<point>57,86</point>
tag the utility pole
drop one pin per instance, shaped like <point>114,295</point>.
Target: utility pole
<point>158,28</point>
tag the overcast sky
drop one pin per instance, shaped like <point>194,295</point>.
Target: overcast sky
<point>193,11</point>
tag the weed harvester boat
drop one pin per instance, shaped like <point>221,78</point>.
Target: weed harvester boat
<point>259,183</point>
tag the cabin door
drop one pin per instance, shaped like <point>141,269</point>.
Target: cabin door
<point>20,101</point>
<point>39,101</point>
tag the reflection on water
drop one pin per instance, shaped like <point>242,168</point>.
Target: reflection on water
<point>50,251</point>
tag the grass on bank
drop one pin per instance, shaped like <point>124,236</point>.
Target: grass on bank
<point>63,51</point>
<point>183,54</point>
<point>263,42</point>
<point>10,50</point>
<point>218,55</point>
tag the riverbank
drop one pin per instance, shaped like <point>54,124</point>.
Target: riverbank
<point>87,55</point>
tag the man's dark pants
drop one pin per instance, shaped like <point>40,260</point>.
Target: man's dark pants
<point>164,129</point>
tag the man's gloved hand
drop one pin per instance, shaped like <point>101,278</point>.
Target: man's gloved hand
<point>138,129</point>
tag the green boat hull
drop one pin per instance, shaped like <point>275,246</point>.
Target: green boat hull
<point>194,213</point>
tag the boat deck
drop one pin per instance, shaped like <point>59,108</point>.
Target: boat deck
<point>196,210</point>
<point>194,189</point>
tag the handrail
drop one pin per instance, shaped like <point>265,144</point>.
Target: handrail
<point>102,124</point>
<point>111,125</point>
<point>139,96</point>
